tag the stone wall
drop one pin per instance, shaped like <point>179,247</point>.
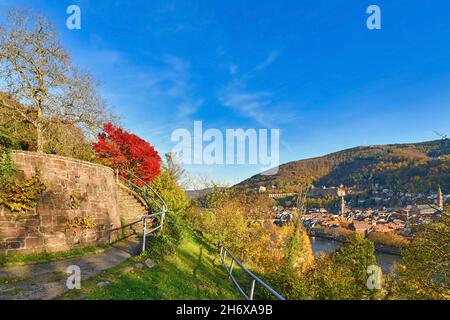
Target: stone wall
<point>46,228</point>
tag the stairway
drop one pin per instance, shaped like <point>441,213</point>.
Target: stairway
<point>131,206</point>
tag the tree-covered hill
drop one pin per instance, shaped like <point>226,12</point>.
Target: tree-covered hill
<point>414,167</point>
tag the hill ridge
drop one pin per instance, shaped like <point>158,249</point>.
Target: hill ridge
<point>415,166</point>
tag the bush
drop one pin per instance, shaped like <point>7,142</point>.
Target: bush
<point>390,239</point>
<point>341,275</point>
<point>163,244</point>
<point>6,141</point>
<point>7,169</point>
<point>286,282</point>
<point>17,195</point>
<point>423,272</point>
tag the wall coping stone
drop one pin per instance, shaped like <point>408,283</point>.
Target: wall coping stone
<point>55,156</point>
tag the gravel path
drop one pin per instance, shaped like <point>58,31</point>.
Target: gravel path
<point>47,281</point>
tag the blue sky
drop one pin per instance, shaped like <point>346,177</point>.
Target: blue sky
<point>310,68</point>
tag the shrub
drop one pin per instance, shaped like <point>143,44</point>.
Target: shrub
<point>341,275</point>
<point>22,196</point>
<point>7,169</point>
<point>423,272</point>
<point>17,195</point>
<point>390,239</point>
<point>163,244</point>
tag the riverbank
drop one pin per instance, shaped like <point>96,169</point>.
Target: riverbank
<point>379,247</point>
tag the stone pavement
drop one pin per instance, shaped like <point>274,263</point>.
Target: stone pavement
<point>47,280</point>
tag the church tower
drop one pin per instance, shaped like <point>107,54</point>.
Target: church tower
<point>341,193</point>
<point>440,199</point>
<point>342,208</point>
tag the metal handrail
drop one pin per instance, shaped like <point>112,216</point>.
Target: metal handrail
<point>144,219</point>
<point>223,254</point>
<point>162,206</point>
<point>146,196</point>
<point>121,228</point>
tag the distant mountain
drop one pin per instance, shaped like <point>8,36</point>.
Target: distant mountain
<point>414,167</point>
<point>195,194</point>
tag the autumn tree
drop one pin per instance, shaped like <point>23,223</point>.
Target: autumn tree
<point>37,73</point>
<point>341,275</point>
<point>173,167</point>
<point>423,272</point>
<point>299,255</point>
<point>130,155</point>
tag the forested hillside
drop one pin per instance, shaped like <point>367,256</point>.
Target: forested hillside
<point>414,167</point>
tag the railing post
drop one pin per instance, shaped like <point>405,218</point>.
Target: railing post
<point>163,215</point>
<point>144,236</point>
<point>252,290</point>
<point>231,266</point>
<point>223,253</point>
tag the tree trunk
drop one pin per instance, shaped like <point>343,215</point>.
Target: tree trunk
<point>40,138</point>
<point>40,128</point>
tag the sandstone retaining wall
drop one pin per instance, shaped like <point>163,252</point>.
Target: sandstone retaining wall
<point>46,228</point>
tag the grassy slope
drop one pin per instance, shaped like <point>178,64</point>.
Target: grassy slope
<point>16,259</point>
<point>194,272</point>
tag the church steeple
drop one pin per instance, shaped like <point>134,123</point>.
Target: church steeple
<point>341,193</point>
<point>342,208</point>
<point>440,199</point>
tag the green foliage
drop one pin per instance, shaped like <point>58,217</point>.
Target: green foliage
<point>16,259</point>
<point>175,197</point>
<point>299,256</point>
<point>6,142</point>
<point>161,245</point>
<point>287,282</point>
<point>216,197</point>
<point>74,201</point>
<point>18,196</point>
<point>81,222</point>
<point>341,275</point>
<point>22,196</point>
<point>423,272</point>
<point>164,244</point>
<point>192,273</point>
<point>7,169</point>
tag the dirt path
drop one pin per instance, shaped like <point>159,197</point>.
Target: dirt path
<point>47,281</point>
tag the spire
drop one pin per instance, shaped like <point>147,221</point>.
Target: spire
<point>342,207</point>
<point>440,199</point>
<point>341,193</point>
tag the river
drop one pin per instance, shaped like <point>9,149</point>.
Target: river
<point>385,260</point>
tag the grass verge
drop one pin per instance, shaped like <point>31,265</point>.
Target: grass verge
<point>193,272</point>
<point>15,259</point>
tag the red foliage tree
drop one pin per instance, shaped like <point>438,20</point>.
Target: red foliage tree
<point>128,153</point>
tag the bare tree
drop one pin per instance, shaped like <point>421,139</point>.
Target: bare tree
<point>172,165</point>
<point>37,72</point>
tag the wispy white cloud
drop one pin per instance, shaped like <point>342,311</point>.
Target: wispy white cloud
<point>250,104</point>
<point>259,105</point>
<point>266,63</point>
<point>157,97</point>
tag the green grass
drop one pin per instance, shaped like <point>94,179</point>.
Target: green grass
<point>194,272</point>
<point>4,281</point>
<point>15,259</point>
<point>12,292</point>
